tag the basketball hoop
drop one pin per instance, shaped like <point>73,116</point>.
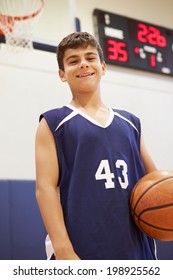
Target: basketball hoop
<point>17,21</point>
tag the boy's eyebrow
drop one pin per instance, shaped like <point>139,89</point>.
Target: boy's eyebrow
<point>71,56</point>
<point>91,53</point>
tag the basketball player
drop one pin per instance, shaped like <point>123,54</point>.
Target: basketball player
<point>93,155</point>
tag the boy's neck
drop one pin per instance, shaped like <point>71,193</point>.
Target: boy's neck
<point>87,102</point>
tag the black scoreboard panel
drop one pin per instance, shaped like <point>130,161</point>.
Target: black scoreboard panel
<point>133,43</point>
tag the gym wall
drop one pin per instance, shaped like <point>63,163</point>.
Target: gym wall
<point>30,85</point>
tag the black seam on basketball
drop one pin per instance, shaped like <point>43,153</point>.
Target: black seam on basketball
<point>153,185</point>
<point>156,227</point>
<point>134,190</point>
<point>138,224</point>
<point>131,198</point>
<point>155,208</point>
<point>151,209</point>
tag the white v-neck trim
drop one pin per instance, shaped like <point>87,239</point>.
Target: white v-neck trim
<point>78,111</point>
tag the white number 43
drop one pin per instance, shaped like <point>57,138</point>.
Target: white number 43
<point>104,173</point>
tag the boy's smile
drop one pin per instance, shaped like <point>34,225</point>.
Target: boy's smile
<point>85,75</point>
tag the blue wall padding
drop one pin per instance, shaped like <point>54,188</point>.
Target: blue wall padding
<point>5,236</point>
<point>165,250</point>
<point>22,233</point>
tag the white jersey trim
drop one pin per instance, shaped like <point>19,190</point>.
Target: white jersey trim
<point>78,111</point>
<point>49,247</point>
<point>120,116</point>
<point>70,116</point>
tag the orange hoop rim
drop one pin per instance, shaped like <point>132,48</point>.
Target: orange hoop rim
<point>18,18</point>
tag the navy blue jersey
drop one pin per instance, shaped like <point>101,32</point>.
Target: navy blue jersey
<point>99,166</point>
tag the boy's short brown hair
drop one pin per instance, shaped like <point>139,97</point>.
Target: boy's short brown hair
<point>76,40</point>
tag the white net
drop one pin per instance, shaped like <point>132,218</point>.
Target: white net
<point>18,19</point>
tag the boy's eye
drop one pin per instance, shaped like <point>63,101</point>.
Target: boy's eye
<point>73,61</point>
<point>91,58</point>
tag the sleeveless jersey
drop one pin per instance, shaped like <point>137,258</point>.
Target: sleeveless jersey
<point>99,166</point>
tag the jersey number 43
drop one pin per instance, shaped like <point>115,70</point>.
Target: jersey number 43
<point>104,173</point>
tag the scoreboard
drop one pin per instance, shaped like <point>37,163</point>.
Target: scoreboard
<point>133,43</point>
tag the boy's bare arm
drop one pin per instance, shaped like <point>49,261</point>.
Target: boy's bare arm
<point>47,173</point>
<point>147,160</point>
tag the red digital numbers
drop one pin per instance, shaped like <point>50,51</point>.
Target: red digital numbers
<point>151,35</point>
<point>152,60</point>
<point>117,50</point>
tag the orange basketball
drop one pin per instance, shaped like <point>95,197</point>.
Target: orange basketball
<point>151,205</point>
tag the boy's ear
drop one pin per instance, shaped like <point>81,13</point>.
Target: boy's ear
<point>62,75</point>
<point>103,68</point>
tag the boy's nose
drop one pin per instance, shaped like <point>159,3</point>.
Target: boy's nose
<point>84,64</point>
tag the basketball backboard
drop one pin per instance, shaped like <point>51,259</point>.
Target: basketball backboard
<point>50,27</point>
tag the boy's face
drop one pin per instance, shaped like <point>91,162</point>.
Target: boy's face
<point>82,69</point>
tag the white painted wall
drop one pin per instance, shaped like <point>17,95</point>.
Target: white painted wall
<point>156,11</point>
<point>29,85</point>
